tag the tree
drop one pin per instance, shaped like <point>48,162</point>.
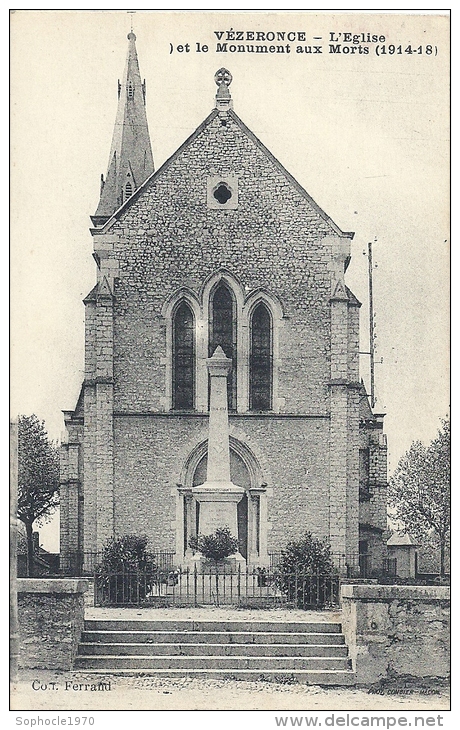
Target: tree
<point>38,477</point>
<point>419,490</point>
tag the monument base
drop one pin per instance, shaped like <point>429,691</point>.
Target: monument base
<point>218,509</point>
<point>218,501</point>
<point>204,566</point>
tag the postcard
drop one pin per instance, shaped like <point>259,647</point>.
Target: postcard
<point>230,359</point>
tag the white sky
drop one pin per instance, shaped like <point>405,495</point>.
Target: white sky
<point>367,136</point>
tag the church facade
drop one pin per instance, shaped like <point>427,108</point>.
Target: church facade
<point>220,246</point>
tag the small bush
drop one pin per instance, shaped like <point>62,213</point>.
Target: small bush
<point>305,573</point>
<point>125,553</point>
<point>308,554</point>
<point>215,547</point>
<point>125,573</point>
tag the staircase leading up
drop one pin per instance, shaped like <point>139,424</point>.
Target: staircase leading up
<point>311,653</point>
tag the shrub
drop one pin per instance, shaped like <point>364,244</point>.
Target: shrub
<point>305,573</point>
<point>309,554</point>
<point>125,573</point>
<point>215,547</point>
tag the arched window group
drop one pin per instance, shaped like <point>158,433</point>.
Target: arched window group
<point>223,327</point>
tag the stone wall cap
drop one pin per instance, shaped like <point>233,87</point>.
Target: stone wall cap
<point>393,592</point>
<point>52,585</point>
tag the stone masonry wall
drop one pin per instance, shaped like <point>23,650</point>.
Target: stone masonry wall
<point>51,616</point>
<point>293,456</point>
<point>374,510</point>
<point>397,630</point>
<point>168,238</point>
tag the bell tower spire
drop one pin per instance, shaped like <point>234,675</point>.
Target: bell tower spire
<point>130,159</point>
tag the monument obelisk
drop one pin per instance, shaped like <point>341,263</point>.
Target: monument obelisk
<point>218,496</point>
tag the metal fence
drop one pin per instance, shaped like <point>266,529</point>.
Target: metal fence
<point>341,562</point>
<point>368,568</point>
<point>78,563</point>
<point>355,565</point>
<point>261,587</point>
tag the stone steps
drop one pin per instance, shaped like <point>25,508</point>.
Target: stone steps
<point>299,651</point>
<point>335,678</point>
<point>212,637</point>
<point>187,649</point>
<point>322,627</point>
<point>109,661</point>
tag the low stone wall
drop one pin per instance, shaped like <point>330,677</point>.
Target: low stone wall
<point>51,615</point>
<point>397,630</point>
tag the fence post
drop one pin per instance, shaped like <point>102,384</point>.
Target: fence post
<point>195,585</point>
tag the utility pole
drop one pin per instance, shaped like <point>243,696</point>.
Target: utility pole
<point>371,326</point>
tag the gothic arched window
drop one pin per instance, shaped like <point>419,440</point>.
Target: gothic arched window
<point>261,360</point>
<point>222,331</point>
<point>183,371</point>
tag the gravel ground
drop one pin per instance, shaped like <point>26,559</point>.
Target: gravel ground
<point>148,693</point>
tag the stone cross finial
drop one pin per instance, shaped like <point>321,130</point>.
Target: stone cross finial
<point>223,79</point>
<point>223,76</point>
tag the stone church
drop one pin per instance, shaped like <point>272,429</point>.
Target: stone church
<point>220,246</point>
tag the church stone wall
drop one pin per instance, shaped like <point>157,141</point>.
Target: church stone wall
<point>373,511</point>
<point>275,239</point>
<point>296,452</point>
<point>168,238</point>
<point>146,475</point>
<point>293,456</point>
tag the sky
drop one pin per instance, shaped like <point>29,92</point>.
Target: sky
<point>366,135</point>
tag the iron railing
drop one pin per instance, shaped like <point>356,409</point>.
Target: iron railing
<point>357,565</point>
<point>261,587</point>
<point>79,562</point>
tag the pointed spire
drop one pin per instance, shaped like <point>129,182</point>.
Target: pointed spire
<point>130,159</point>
